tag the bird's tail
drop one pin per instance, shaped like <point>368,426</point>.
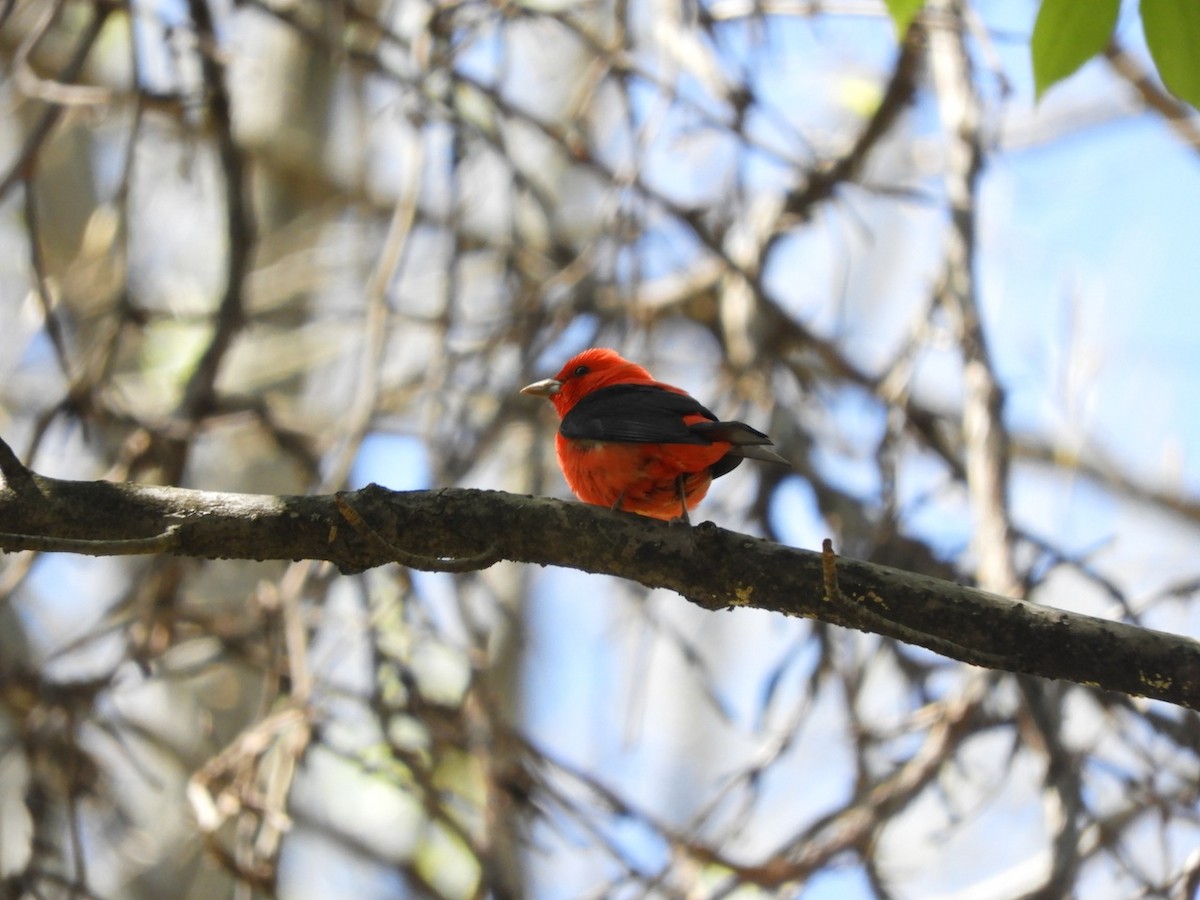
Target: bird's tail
<point>748,443</point>
<point>756,451</point>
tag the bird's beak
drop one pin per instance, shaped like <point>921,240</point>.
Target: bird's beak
<point>547,388</point>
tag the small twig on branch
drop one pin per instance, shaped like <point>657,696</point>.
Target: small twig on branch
<point>17,478</point>
<point>472,563</point>
<point>164,542</point>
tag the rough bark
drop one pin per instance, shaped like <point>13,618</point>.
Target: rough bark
<point>463,530</point>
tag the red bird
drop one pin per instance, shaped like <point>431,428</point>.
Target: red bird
<point>633,443</point>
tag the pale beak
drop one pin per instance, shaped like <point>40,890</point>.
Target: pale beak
<point>547,388</point>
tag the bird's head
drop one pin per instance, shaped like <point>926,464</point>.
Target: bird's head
<point>586,372</point>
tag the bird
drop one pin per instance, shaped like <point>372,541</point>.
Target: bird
<point>632,443</point>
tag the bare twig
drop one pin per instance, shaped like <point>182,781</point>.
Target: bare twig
<point>60,93</point>
<point>17,477</point>
<point>163,542</point>
<point>984,435</point>
<point>1183,120</point>
<point>25,162</point>
<point>199,395</point>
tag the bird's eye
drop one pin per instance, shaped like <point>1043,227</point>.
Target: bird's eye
<point>580,370</point>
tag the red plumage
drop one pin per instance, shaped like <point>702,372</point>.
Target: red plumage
<point>633,443</point>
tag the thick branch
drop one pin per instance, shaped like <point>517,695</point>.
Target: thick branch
<point>712,567</point>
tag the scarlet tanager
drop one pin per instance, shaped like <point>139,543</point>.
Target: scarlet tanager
<point>633,443</point>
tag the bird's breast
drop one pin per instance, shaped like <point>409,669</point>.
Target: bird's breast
<point>642,476</point>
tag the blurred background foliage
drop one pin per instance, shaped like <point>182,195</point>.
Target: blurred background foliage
<point>290,246</point>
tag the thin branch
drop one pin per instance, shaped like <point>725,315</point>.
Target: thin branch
<point>59,93</point>
<point>985,439</point>
<point>26,159</point>
<point>164,542</point>
<point>199,395</point>
<point>1182,119</point>
<point>897,97</point>
<point>41,282</point>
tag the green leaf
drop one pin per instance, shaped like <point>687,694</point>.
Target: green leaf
<point>1172,30</point>
<point>902,13</point>
<point>1067,34</point>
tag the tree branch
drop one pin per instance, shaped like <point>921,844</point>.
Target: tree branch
<point>455,528</point>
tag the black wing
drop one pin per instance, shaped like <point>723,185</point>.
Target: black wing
<point>644,414</point>
<point>636,414</point>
